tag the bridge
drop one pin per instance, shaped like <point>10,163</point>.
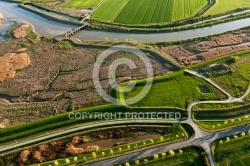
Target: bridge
<point>74,31</point>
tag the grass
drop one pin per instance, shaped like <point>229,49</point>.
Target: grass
<point>147,11</point>
<point>107,11</point>
<point>223,6</point>
<point>189,156</point>
<point>46,124</point>
<point>173,90</point>
<point>82,4</point>
<point>237,82</point>
<point>234,152</point>
<point>177,129</point>
<point>223,124</point>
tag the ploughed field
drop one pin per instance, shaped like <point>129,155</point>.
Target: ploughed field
<point>147,11</point>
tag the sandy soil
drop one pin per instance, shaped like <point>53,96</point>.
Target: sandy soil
<point>20,32</point>
<point>108,143</point>
<point>10,63</point>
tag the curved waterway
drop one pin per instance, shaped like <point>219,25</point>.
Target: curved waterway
<point>12,13</point>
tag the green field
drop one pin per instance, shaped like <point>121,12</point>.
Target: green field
<point>223,124</point>
<point>147,11</point>
<point>222,6</point>
<point>189,157</point>
<point>173,90</point>
<point>237,82</point>
<point>108,10</point>
<point>236,152</point>
<point>82,4</point>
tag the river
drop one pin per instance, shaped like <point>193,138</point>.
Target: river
<point>12,13</point>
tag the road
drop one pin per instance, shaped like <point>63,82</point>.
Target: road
<point>201,138</point>
<point>191,142</point>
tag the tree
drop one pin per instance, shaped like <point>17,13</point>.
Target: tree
<point>67,161</point>
<point>103,153</point>
<point>144,143</point>
<point>171,152</point>
<point>135,146</point>
<point>161,139</point>
<point>137,162</point>
<point>127,164</point>
<point>75,159</point>
<point>227,139</point>
<point>120,150</point>
<point>221,142</point>
<point>56,163</point>
<point>128,147</point>
<point>115,40</point>
<point>111,151</point>
<point>232,120</point>
<point>94,155</point>
<point>243,134</point>
<point>106,39</point>
<point>177,136</point>
<point>236,137</point>
<point>239,119</point>
<point>84,158</point>
<point>151,140</point>
<point>248,132</point>
<point>145,161</point>
<point>156,157</point>
<point>226,122</point>
<point>180,151</point>
<point>163,155</point>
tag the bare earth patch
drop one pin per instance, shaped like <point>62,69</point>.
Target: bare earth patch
<point>198,51</point>
<point>20,32</point>
<point>10,63</point>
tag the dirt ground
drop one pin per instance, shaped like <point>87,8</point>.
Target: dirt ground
<point>58,80</point>
<point>198,51</point>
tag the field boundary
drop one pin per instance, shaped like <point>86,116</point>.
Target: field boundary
<point>115,16</point>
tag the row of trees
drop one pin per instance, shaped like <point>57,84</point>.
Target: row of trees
<point>155,157</point>
<point>243,134</point>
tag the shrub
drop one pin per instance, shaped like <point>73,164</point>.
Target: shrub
<point>64,45</point>
<point>94,155</point>
<point>156,157</point>
<point>163,155</point>
<point>127,164</point>
<point>137,162</point>
<point>111,151</point>
<point>67,161</point>
<point>171,152</point>
<point>56,163</point>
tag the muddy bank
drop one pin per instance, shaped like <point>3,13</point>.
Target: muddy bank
<point>108,143</point>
